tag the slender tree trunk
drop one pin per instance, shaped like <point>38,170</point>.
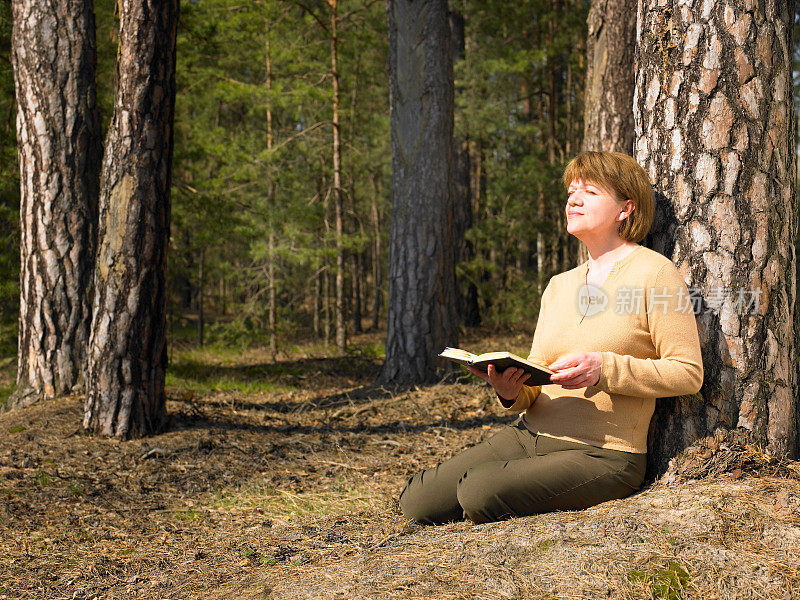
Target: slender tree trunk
<point>222,296</point>
<point>357,325</point>
<point>272,307</point>
<point>326,307</point>
<point>58,135</point>
<point>341,332</point>
<point>200,315</point>
<point>462,200</point>
<point>377,253</point>
<point>715,131</point>
<point>568,101</point>
<point>317,297</point>
<point>127,348</point>
<point>422,316</point>
<point>326,284</point>
<point>553,71</point>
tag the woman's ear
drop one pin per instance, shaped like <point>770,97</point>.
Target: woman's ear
<point>629,208</point>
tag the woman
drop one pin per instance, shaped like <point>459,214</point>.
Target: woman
<point>619,333</point>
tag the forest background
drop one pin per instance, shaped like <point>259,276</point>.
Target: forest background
<point>282,463</point>
<point>247,218</point>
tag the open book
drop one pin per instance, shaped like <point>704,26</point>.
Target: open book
<point>540,374</point>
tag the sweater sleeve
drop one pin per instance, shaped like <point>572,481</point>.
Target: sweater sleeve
<point>678,370</point>
<point>529,393</point>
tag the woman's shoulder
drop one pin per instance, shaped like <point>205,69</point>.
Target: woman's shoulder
<point>652,266</point>
<point>574,274</point>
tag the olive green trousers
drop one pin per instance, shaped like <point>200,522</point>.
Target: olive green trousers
<point>516,473</point>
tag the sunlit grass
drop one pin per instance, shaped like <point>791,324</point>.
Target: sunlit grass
<point>282,504</point>
<point>205,383</point>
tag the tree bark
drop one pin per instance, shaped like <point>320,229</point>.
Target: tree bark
<point>421,307</point>
<point>317,298</point>
<point>377,252</point>
<point>610,76</point>
<point>715,132</point>
<point>272,305</point>
<point>341,332</point>
<point>462,199</point>
<point>200,280</point>
<point>59,141</point>
<point>610,80</point>
<point>127,350</point>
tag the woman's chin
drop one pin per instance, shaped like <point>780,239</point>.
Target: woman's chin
<point>575,230</point>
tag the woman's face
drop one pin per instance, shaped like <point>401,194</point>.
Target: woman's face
<point>594,211</point>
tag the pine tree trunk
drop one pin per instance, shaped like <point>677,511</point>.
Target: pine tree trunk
<point>422,315</point>
<point>341,332</point>
<point>317,295</point>
<point>715,131</point>
<point>222,296</point>
<point>356,308</point>
<point>326,307</point>
<point>610,76</point>
<point>462,199</point>
<point>610,80</point>
<point>377,254</point>
<point>127,349</point>
<point>272,305</point>
<point>272,308</point>
<point>200,299</point>
<point>58,135</point>
<point>540,255</point>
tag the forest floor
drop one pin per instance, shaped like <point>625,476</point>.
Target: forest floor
<point>280,480</point>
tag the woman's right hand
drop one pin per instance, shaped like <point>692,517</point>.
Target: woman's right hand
<point>507,384</point>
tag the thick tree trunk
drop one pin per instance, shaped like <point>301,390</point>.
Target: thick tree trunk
<point>715,131</point>
<point>422,315</point>
<point>127,350</point>
<point>610,76</point>
<point>610,80</point>
<point>58,134</point>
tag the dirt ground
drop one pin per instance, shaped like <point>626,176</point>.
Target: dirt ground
<point>292,494</point>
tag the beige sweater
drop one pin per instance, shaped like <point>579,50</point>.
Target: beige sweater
<point>647,335</point>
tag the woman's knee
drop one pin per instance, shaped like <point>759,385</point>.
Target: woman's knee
<point>481,496</point>
<point>422,502</point>
<point>411,504</point>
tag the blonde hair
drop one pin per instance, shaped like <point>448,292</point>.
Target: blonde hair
<point>622,175</point>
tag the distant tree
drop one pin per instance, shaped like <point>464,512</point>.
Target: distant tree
<point>422,295</point>
<point>58,133</point>
<point>466,290</point>
<point>519,98</point>
<point>127,351</point>
<point>715,129</point>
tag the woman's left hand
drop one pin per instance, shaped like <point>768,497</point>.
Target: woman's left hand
<point>578,370</point>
